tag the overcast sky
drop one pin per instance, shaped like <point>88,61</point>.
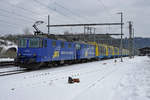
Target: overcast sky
<point>16,15</point>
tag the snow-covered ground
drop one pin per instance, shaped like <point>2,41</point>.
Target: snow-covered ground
<point>9,68</point>
<point>6,59</point>
<point>101,80</point>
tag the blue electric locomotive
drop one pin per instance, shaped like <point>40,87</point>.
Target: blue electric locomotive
<point>34,52</point>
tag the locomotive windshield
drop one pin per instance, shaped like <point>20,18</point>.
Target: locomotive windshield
<point>30,42</point>
<point>22,43</point>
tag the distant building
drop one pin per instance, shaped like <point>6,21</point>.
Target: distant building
<point>144,51</point>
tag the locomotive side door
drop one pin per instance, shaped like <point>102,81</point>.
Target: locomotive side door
<point>45,51</point>
<point>78,51</point>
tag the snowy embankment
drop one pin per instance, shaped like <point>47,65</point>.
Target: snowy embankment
<point>101,80</point>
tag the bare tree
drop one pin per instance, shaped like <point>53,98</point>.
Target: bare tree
<point>66,32</point>
<point>26,31</point>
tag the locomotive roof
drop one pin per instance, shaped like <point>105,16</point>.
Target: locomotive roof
<point>50,37</point>
<point>32,36</point>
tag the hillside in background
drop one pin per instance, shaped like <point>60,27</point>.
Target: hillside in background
<point>142,42</point>
<point>139,41</point>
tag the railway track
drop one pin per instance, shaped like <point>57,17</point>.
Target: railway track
<point>11,72</point>
<point>7,70</point>
<point>6,63</point>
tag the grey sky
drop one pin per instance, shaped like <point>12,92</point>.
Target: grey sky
<point>15,15</point>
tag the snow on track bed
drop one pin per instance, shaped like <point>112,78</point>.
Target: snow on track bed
<point>11,70</point>
<point>3,64</point>
<point>102,80</point>
<point>6,59</point>
<point>6,62</point>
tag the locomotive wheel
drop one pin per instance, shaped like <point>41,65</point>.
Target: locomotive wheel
<point>33,66</point>
<point>38,66</point>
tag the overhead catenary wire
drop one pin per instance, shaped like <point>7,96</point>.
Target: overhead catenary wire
<point>3,10</point>
<point>25,20</point>
<point>17,17</point>
<point>100,1</point>
<point>7,22</point>
<point>29,19</point>
<point>10,25</point>
<point>73,13</point>
<point>22,8</point>
<point>105,8</point>
<point>60,13</point>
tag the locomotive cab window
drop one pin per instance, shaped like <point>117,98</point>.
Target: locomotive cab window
<point>84,46</point>
<point>69,45</point>
<point>54,43</point>
<point>78,46</point>
<point>45,44</point>
<point>116,50</point>
<point>62,45</point>
<point>35,43</point>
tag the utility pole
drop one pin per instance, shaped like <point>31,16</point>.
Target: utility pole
<point>133,44</point>
<point>94,34</point>
<point>121,45</point>
<point>130,39</point>
<point>84,34</point>
<point>48,24</point>
<point>90,29</point>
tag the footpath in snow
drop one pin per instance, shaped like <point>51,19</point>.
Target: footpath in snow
<point>101,80</point>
